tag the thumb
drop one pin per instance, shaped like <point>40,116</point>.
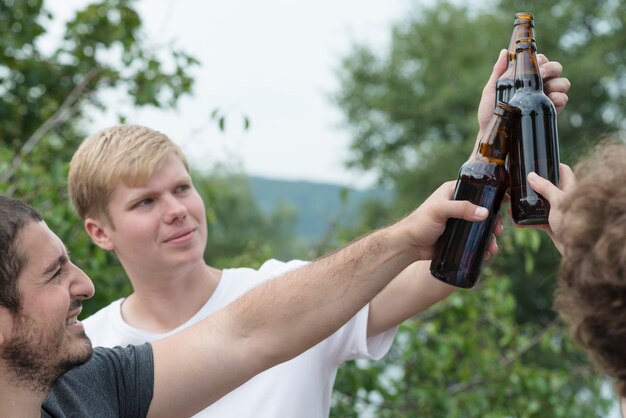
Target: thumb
<point>566,177</point>
<point>461,209</point>
<point>544,187</point>
<point>499,67</point>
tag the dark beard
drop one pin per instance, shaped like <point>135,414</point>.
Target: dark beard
<point>33,358</point>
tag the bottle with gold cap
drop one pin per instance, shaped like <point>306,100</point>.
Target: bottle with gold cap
<point>483,180</point>
<point>523,27</point>
<point>537,147</point>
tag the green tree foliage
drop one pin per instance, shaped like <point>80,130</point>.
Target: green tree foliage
<point>43,113</point>
<point>467,357</point>
<point>412,114</point>
<point>101,49</point>
<point>240,234</point>
<point>44,98</point>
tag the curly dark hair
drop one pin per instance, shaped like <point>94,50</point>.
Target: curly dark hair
<point>591,293</point>
<point>14,215</point>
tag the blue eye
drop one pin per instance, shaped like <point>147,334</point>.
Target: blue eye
<point>145,202</point>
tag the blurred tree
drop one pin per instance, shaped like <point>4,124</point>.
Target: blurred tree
<point>468,357</point>
<point>102,49</point>
<point>44,101</point>
<point>240,234</point>
<point>412,114</point>
<point>45,95</point>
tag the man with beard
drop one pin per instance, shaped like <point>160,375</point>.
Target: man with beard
<point>47,365</point>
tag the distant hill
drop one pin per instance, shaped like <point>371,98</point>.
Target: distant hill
<point>317,204</point>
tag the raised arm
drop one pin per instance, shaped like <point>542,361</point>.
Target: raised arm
<point>415,289</point>
<point>282,318</point>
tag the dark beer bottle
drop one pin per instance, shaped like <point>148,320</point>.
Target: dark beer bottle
<point>483,180</point>
<point>523,27</point>
<point>537,147</point>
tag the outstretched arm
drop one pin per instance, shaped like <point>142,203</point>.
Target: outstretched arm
<point>282,318</point>
<point>415,289</point>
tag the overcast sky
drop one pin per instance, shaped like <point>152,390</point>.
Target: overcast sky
<point>273,61</point>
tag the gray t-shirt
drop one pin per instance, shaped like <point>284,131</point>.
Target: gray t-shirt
<point>116,382</point>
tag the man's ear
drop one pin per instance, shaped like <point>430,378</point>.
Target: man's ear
<point>98,233</point>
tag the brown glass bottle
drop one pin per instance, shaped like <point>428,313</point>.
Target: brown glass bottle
<point>483,180</point>
<point>537,147</point>
<point>523,27</point>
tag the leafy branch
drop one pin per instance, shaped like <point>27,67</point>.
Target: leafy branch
<point>505,361</point>
<point>57,118</point>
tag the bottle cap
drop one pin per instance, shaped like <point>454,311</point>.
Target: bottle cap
<point>524,15</point>
<point>524,18</point>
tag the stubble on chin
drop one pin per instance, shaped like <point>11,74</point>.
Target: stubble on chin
<point>37,358</point>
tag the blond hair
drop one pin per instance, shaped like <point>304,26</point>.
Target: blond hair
<point>128,154</point>
<point>591,293</point>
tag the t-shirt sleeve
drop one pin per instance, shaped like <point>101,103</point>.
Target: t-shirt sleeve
<point>351,341</point>
<point>114,382</point>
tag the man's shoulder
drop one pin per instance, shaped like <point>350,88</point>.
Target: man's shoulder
<point>113,380</point>
<point>105,362</point>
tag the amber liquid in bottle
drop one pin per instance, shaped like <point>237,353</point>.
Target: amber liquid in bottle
<point>523,27</point>
<point>483,180</point>
<point>536,149</point>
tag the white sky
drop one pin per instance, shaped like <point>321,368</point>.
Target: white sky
<point>271,60</point>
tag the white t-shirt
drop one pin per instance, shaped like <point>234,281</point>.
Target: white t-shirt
<point>299,388</point>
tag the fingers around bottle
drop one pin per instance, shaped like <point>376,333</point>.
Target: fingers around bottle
<point>464,209</point>
<point>501,63</point>
<point>542,59</point>
<point>557,85</point>
<point>566,177</point>
<point>499,227</point>
<point>499,67</point>
<point>550,70</point>
<point>445,191</point>
<point>493,247</point>
<point>559,100</point>
<point>544,187</point>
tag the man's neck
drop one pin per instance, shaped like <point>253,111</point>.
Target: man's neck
<point>19,402</point>
<point>161,304</point>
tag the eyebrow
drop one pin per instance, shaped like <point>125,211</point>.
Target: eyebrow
<point>60,260</point>
<point>145,192</point>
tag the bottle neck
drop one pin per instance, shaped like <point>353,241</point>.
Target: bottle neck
<point>494,143</point>
<point>492,153</point>
<point>527,69</point>
<point>522,28</point>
